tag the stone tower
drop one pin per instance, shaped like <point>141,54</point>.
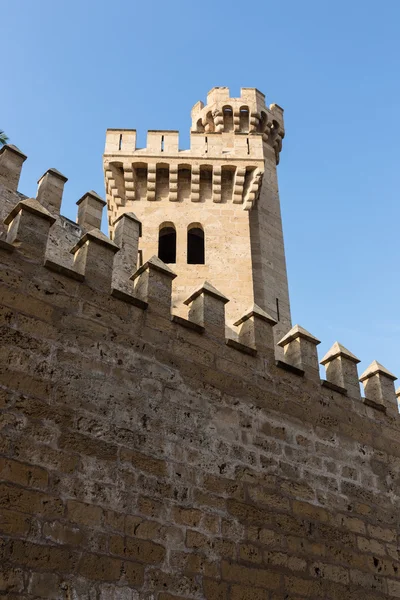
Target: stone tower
<point>212,211</point>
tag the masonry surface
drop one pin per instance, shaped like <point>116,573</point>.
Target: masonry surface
<point>146,455</point>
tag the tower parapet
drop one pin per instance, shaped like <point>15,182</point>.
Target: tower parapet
<point>211,190</point>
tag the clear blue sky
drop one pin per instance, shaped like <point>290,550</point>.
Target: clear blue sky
<point>72,69</point>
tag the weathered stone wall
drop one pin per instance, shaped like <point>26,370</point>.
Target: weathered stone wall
<point>146,458</point>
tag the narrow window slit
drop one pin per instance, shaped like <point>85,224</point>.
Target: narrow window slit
<point>162,143</point>
<point>277,309</point>
<point>248,146</point>
<point>120,142</point>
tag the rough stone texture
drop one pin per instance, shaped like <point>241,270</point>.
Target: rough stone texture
<point>141,459</point>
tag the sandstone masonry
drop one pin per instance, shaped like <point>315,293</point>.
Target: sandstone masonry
<point>150,451</point>
<point>215,186</point>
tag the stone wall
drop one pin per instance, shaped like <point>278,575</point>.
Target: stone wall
<point>144,457</point>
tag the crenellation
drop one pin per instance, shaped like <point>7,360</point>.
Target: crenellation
<point>159,453</point>
<point>253,96</point>
<point>28,228</point>
<point>127,231</point>
<point>256,330</point>
<point>120,140</point>
<point>300,350</point>
<point>50,190</point>
<point>378,385</point>
<point>11,161</point>
<point>90,210</point>
<point>94,258</point>
<point>153,285</point>
<point>207,309</point>
<point>341,369</point>
<point>166,141</point>
<point>217,94</point>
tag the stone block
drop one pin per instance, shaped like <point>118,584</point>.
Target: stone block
<point>341,369</point>
<point>50,190</point>
<point>207,309</point>
<point>11,161</point>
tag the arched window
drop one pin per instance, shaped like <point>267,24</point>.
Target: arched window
<point>195,245</point>
<point>244,119</point>
<point>228,118</point>
<point>167,243</point>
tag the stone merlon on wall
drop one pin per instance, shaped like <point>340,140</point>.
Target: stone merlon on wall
<point>147,454</point>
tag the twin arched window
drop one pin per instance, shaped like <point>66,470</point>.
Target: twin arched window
<point>195,244</point>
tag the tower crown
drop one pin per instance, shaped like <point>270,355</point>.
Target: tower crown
<point>245,115</point>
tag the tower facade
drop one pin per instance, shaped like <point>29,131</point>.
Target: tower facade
<point>212,212</point>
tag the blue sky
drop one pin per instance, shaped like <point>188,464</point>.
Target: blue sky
<point>72,69</point>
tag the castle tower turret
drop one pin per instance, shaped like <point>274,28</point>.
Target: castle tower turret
<point>212,211</point>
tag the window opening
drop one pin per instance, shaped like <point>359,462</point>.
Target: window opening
<point>228,118</point>
<point>120,142</point>
<point>195,246</point>
<point>244,119</point>
<point>167,245</point>
<point>248,146</point>
<point>277,309</point>
<point>162,143</point>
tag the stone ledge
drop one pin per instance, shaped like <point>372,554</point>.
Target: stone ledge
<point>56,268</point>
<point>241,347</point>
<point>6,246</point>
<point>292,369</point>
<point>125,297</point>
<point>372,404</point>
<point>188,324</point>
<point>334,387</point>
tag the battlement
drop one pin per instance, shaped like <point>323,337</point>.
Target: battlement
<point>111,268</point>
<point>230,139</point>
<point>245,115</point>
<point>247,126</point>
<point>149,453</point>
